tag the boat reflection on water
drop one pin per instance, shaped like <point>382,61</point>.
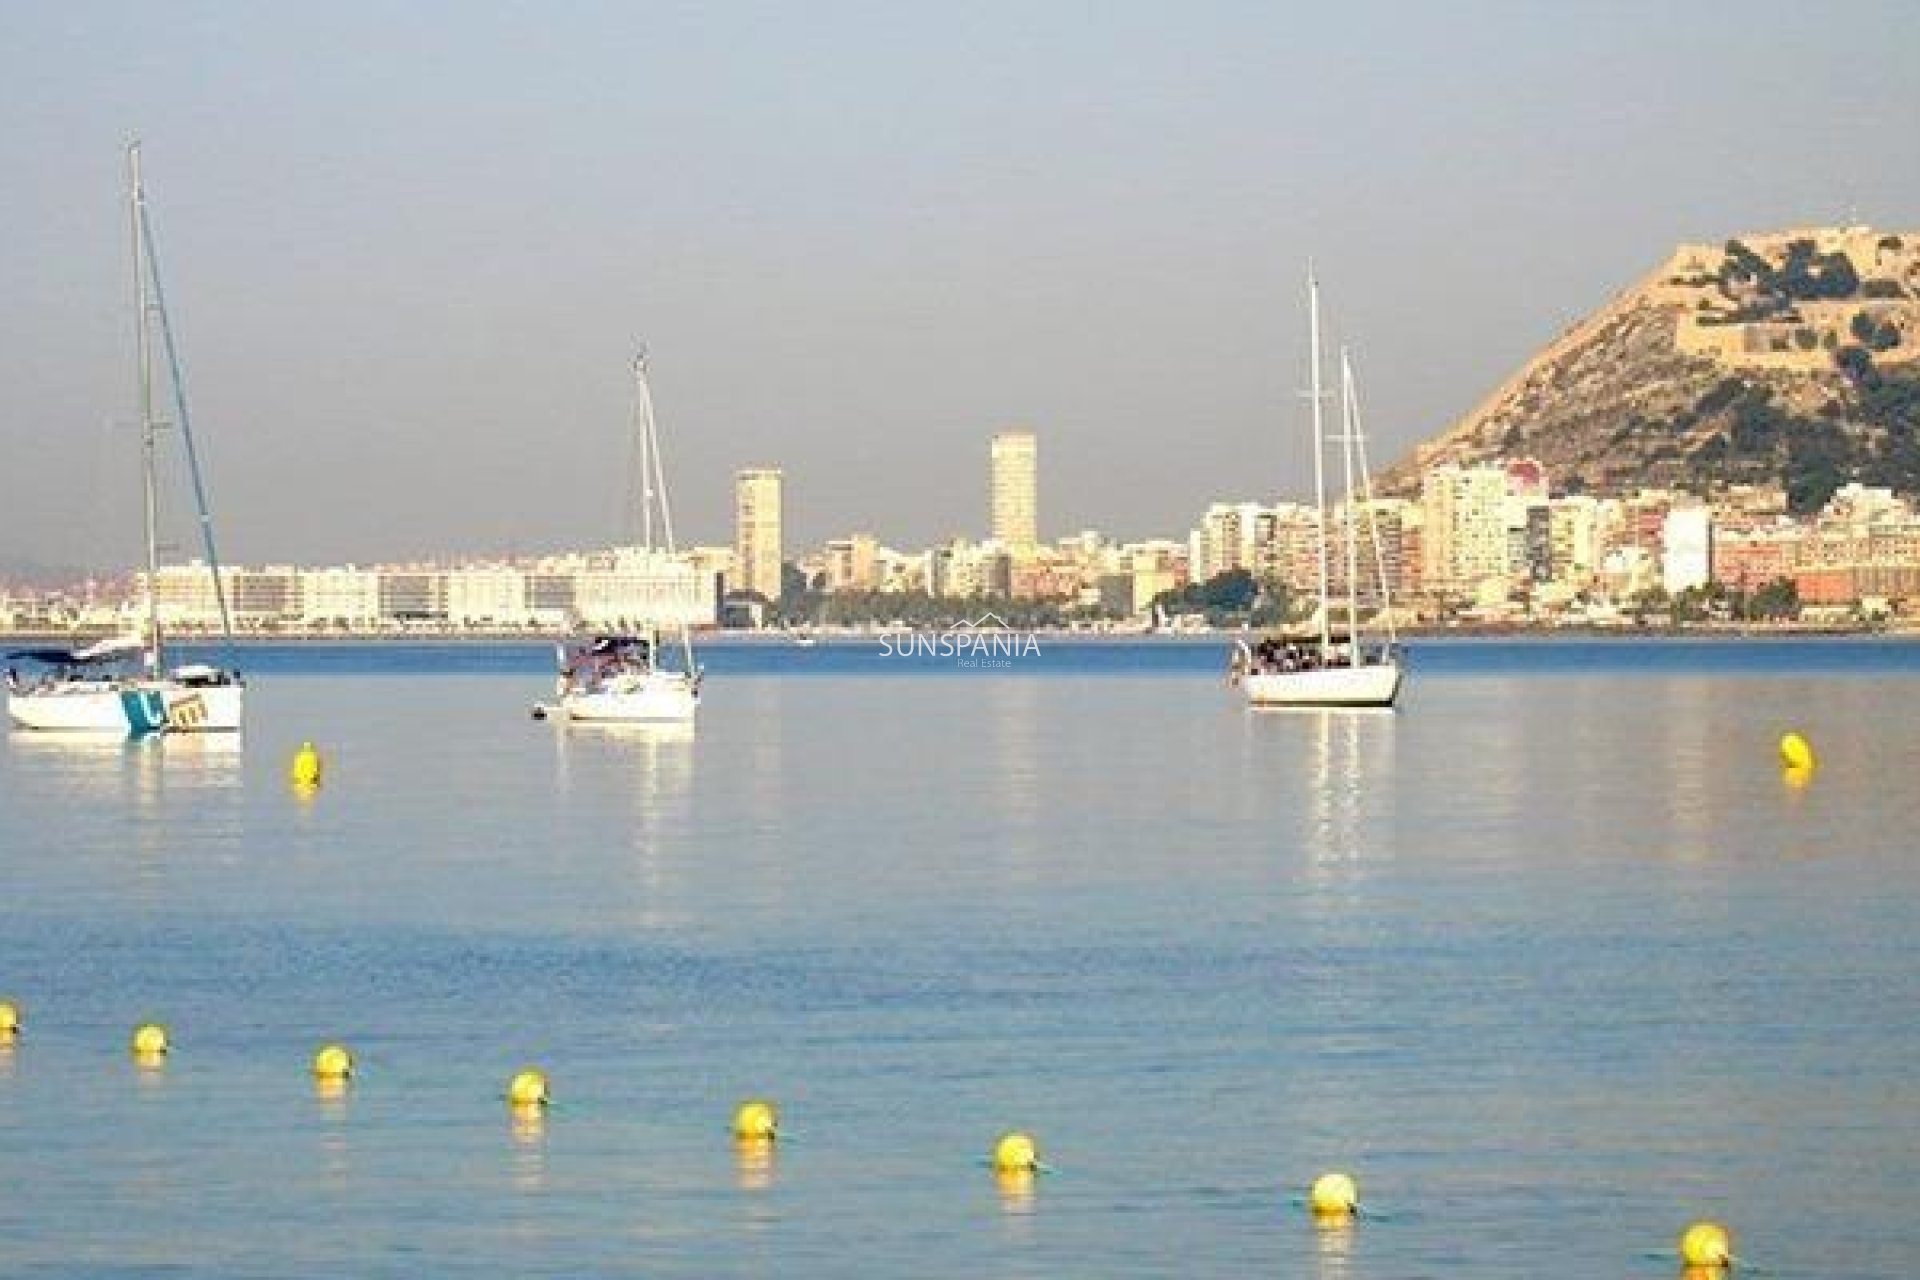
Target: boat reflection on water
<point>646,732</point>
<point>659,754</point>
<point>142,769</point>
<point>646,772</point>
<point>1347,783</point>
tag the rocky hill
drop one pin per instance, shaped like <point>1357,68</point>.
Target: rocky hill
<point>1788,357</point>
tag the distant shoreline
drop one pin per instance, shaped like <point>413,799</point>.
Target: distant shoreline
<point>842,639</point>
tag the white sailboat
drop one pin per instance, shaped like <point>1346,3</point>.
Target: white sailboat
<point>1331,664</point>
<point>639,678</point>
<point>123,684</point>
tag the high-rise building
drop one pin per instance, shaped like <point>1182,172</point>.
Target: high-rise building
<point>756,531</point>
<point>1015,490</point>
<point>1465,543</point>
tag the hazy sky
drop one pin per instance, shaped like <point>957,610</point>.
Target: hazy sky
<point>410,247</point>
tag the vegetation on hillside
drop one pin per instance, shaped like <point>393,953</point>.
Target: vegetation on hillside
<point>1806,275</point>
<point>1870,433</point>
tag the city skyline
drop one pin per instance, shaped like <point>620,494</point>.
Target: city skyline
<point>409,250</point>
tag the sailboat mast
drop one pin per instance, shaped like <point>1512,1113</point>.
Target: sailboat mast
<point>654,483</point>
<point>1319,449</point>
<point>643,430</point>
<point>1373,523</point>
<point>1349,428</point>
<point>182,419</point>
<point>143,344</point>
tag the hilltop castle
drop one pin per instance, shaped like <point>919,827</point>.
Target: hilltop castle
<point>1788,300</point>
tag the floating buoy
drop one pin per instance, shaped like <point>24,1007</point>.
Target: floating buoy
<point>1335,1195</point>
<point>528,1089</point>
<point>1706,1244</point>
<point>150,1040</point>
<point>1796,752</point>
<point>10,1018</point>
<point>333,1062</point>
<point>757,1121</point>
<point>305,770</point>
<point>1015,1153</point>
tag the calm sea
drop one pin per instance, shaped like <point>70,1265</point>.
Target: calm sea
<point>1552,959</point>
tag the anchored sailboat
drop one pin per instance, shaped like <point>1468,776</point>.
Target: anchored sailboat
<point>643,677</point>
<point>1332,663</point>
<point>123,685</point>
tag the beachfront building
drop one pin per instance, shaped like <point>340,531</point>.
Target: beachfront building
<point>851,563</point>
<point>1686,540</point>
<point>963,568</point>
<point>346,597</point>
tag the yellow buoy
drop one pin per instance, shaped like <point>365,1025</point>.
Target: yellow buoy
<point>1015,1153</point>
<point>11,1019</point>
<point>1796,752</point>
<point>150,1040</point>
<point>1706,1244</point>
<point>305,771</point>
<point>333,1062</point>
<point>528,1089</point>
<point>757,1120</point>
<point>1334,1194</point>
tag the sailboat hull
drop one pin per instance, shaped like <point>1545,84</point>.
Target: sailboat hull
<point>655,698</point>
<point>1376,685</point>
<point>130,707</point>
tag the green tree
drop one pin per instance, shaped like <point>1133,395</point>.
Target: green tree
<point>1651,604</point>
<point>1778,600</point>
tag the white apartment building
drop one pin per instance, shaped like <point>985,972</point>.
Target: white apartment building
<point>1686,559</point>
<point>487,595</point>
<point>629,586</point>
<point>623,586</point>
<point>344,597</point>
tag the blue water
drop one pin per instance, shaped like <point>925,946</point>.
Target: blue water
<point>1553,959</point>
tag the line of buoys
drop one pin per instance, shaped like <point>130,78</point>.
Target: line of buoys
<point>528,1088</point>
<point>305,770</point>
<point>332,1062</point>
<point>1705,1247</point>
<point>1706,1244</point>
